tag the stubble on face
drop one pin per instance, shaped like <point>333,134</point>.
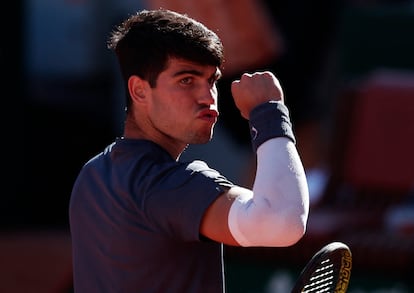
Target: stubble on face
<point>177,110</point>
<point>203,136</point>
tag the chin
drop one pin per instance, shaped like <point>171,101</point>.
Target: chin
<point>202,136</point>
<point>201,139</point>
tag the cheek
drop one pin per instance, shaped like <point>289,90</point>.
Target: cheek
<point>167,109</point>
<point>167,116</point>
<point>172,108</point>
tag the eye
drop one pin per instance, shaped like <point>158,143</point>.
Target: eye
<point>212,81</point>
<point>186,80</point>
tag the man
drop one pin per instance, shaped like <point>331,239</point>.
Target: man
<point>143,221</point>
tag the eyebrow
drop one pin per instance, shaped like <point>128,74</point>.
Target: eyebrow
<point>189,71</point>
<point>216,75</point>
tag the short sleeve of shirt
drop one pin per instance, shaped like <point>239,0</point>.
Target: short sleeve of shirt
<point>178,197</point>
<point>173,196</point>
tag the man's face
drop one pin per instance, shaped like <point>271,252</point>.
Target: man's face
<point>183,106</point>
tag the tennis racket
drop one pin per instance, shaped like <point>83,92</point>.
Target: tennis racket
<point>329,270</point>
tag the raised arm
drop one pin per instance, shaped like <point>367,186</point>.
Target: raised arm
<point>275,211</point>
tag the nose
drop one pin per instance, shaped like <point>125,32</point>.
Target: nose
<point>208,96</point>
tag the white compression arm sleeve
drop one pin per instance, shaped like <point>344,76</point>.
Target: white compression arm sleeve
<point>276,212</point>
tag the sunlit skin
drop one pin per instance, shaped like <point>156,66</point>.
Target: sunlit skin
<point>180,110</point>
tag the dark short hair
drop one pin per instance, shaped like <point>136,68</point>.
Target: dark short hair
<point>145,41</point>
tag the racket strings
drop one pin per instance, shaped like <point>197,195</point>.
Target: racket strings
<point>322,280</point>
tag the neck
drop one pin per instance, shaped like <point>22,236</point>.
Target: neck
<point>133,130</point>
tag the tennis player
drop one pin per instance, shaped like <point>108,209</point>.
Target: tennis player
<point>141,220</point>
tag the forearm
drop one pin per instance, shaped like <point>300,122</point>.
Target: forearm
<point>275,213</point>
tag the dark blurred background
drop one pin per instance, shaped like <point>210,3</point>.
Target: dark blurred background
<point>347,68</point>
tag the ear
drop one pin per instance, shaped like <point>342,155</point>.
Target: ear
<point>137,88</point>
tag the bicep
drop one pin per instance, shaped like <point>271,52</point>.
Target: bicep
<point>214,224</point>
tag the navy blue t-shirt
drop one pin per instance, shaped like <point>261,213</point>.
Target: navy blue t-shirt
<point>135,215</point>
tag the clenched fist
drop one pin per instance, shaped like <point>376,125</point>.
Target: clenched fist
<point>255,89</point>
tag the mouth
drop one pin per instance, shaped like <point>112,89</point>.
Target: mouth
<point>209,115</point>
